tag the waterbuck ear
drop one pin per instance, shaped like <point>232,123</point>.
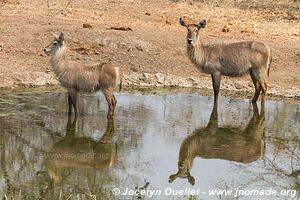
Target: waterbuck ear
<point>55,36</point>
<point>61,37</point>
<point>191,180</point>
<point>182,22</point>
<point>172,178</point>
<point>202,24</point>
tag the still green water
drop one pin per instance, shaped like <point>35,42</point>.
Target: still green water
<point>163,143</point>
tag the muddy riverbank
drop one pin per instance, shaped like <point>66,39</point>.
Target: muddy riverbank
<point>151,51</point>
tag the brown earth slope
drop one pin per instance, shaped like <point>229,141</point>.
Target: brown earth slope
<point>153,51</point>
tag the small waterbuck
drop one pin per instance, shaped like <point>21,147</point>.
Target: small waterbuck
<point>83,78</point>
<point>79,153</point>
<point>234,60</point>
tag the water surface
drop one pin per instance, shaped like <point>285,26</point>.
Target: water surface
<point>156,141</point>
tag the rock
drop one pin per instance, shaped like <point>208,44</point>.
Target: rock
<point>141,45</point>
<point>171,82</point>
<point>238,85</point>
<point>86,25</point>
<point>160,78</point>
<point>147,78</point>
<point>225,29</point>
<point>139,48</point>
<point>192,79</point>
<point>107,42</point>
<point>184,83</point>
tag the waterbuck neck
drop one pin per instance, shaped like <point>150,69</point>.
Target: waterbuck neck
<point>59,61</point>
<point>196,54</point>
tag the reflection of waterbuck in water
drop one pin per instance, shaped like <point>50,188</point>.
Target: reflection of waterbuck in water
<point>228,143</point>
<point>235,59</point>
<point>73,152</point>
<point>82,78</point>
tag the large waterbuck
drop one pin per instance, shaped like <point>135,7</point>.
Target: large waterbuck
<point>79,153</point>
<point>226,143</point>
<point>83,78</point>
<point>234,60</point>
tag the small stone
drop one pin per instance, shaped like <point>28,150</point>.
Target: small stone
<point>160,78</point>
<point>139,48</point>
<point>225,29</point>
<point>86,25</point>
<point>168,22</point>
<point>238,86</point>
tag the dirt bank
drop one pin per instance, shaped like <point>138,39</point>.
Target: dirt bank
<point>152,51</point>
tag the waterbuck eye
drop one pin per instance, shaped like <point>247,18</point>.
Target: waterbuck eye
<point>54,43</point>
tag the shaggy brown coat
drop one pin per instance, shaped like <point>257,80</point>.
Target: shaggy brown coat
<point>83,78</point>
<point>235,59</point>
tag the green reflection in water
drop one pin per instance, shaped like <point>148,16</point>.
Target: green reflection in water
<point>46,155</point>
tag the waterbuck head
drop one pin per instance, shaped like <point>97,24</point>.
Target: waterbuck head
<point>56,45</point>
<point>193,35</point>
<point>183,172</point>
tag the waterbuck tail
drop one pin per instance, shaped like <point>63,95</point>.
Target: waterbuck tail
<point>118,78</point>
<point>269,60</point>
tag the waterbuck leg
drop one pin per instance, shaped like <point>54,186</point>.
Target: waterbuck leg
<point>71,126</point>
<point>110,101</point>
<point>264,92</point>
<point>257,75</point>
<point>216,79</point>
<point>212,125</point>
<point>114,103</point>
<point>108,134</point>
<point>255,110</point>
<point>73,99</point>
<point>114,100</point>
<point>263,87</point>
<point>262,111</point>
<point>257,87</point>
<point>70,105</point>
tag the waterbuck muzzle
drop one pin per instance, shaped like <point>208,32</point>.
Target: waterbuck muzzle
<point>193,30</point>
<point>55,45</point>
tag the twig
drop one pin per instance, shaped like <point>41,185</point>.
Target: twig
<point>93,197</point>
<point>48,7</point>
<point>69,196</point>
<point>68,4</point>
<point>121,28</point>
<point>60,193</point>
